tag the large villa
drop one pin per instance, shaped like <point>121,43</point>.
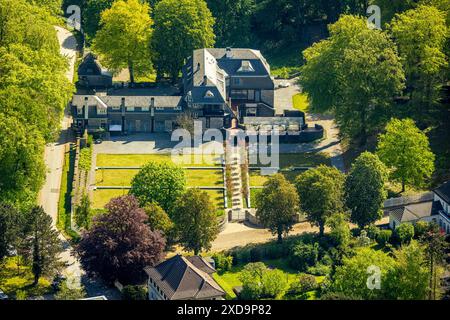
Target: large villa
<point>218,85</point>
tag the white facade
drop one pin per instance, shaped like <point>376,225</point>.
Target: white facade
<point>444,215</point>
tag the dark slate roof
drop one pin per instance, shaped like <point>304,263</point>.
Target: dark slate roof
<point>416,211</point>
<point>183,278</point>
<point>208,68</point>
<point>443,191</point>
<point>131,101</point>
<point>91,66</point>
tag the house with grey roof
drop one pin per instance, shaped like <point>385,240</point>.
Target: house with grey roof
<point>183,278</point>
<point>92,74</point>
<point>436,210</point>
<point>218,85</point>
<point>228,82</point>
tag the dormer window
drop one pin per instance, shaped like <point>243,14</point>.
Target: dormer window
<point>209,94</point>
<point>246,66</point>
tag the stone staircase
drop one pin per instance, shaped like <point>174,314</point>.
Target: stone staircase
<point>234,159</point>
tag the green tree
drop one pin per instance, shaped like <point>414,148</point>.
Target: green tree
<point>303,255</point>
<point>277,205</point>
<point>321,192</point>
<point>160,183</point>
<point>91,15</point>
<point>83,212</point>
<point>233,22</point>
<point>339,229</point>
<point>124,38</point>
<point>195,221</point>
<point>352,276</point>
<point>406,150</point>
<point>404,233</point>
<point>134,293</point>
<point>10,227</point>
<point>435,246</point>
<point>158,219</point>
<point>260,282</point>
<point>67,292</point>
<point>21,164</point>
<point>410,277</point>
<point>181,26</point>
<point>420,35</point>
<point>44,246</point>
<point>355,73</point>
<point>364,189</point>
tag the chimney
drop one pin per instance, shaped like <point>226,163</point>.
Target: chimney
<point>205,80</point>
<point>152,102</point>
<point>228,53</point>
<point>198,66</point>
<point>123,102</point>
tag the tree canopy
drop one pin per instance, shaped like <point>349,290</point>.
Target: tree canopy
<point>120,243</point>
<point>195,221</point>
<point>321,192</point>
<point>406,150</point>
<point>277,205</point>
<point>181,26</point>
<point>124,37</point>
<point>421,35</point>
<point>356,73</point>
<point>365,191</point>
<point>160,183</point>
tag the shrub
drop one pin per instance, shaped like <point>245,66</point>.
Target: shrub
<point>134,293</point>
<point>319,270</point>
<point>274,284</point>
<point>303,256</point>
<point>260,282</point>
<point>363,240</point>
<point>223,262</point>
<point>420,228</point>
<point>404,233</point>
<point>255,254</point>
<point>372,231</point>
<point>273,251</point>
<point>383,237</point>
<point>308,282</point>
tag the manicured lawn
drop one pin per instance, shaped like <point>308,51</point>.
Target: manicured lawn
<point>138,160</point>
<point>289,161</point>
<point>123,177</point>
<point>102,197</point>
<point>194,177</point>
<point>300,102</point>
<point>204,178</point>
<point>14,279</point>
<point>300,160</point>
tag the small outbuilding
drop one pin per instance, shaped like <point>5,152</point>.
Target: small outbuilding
<point>91,74</point>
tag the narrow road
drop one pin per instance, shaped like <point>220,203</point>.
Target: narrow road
<point>49,194</point>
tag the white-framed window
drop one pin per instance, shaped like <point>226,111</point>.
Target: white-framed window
<point>236,81</point>
<point>145,108</point>
<point>130,108</point>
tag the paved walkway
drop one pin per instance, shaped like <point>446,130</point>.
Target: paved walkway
<point>49,195</point>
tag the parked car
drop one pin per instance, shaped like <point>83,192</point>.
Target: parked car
<point>3,295</point>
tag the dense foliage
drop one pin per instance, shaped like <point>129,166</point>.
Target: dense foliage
<point>277,205</point>
<point>120,244</point>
